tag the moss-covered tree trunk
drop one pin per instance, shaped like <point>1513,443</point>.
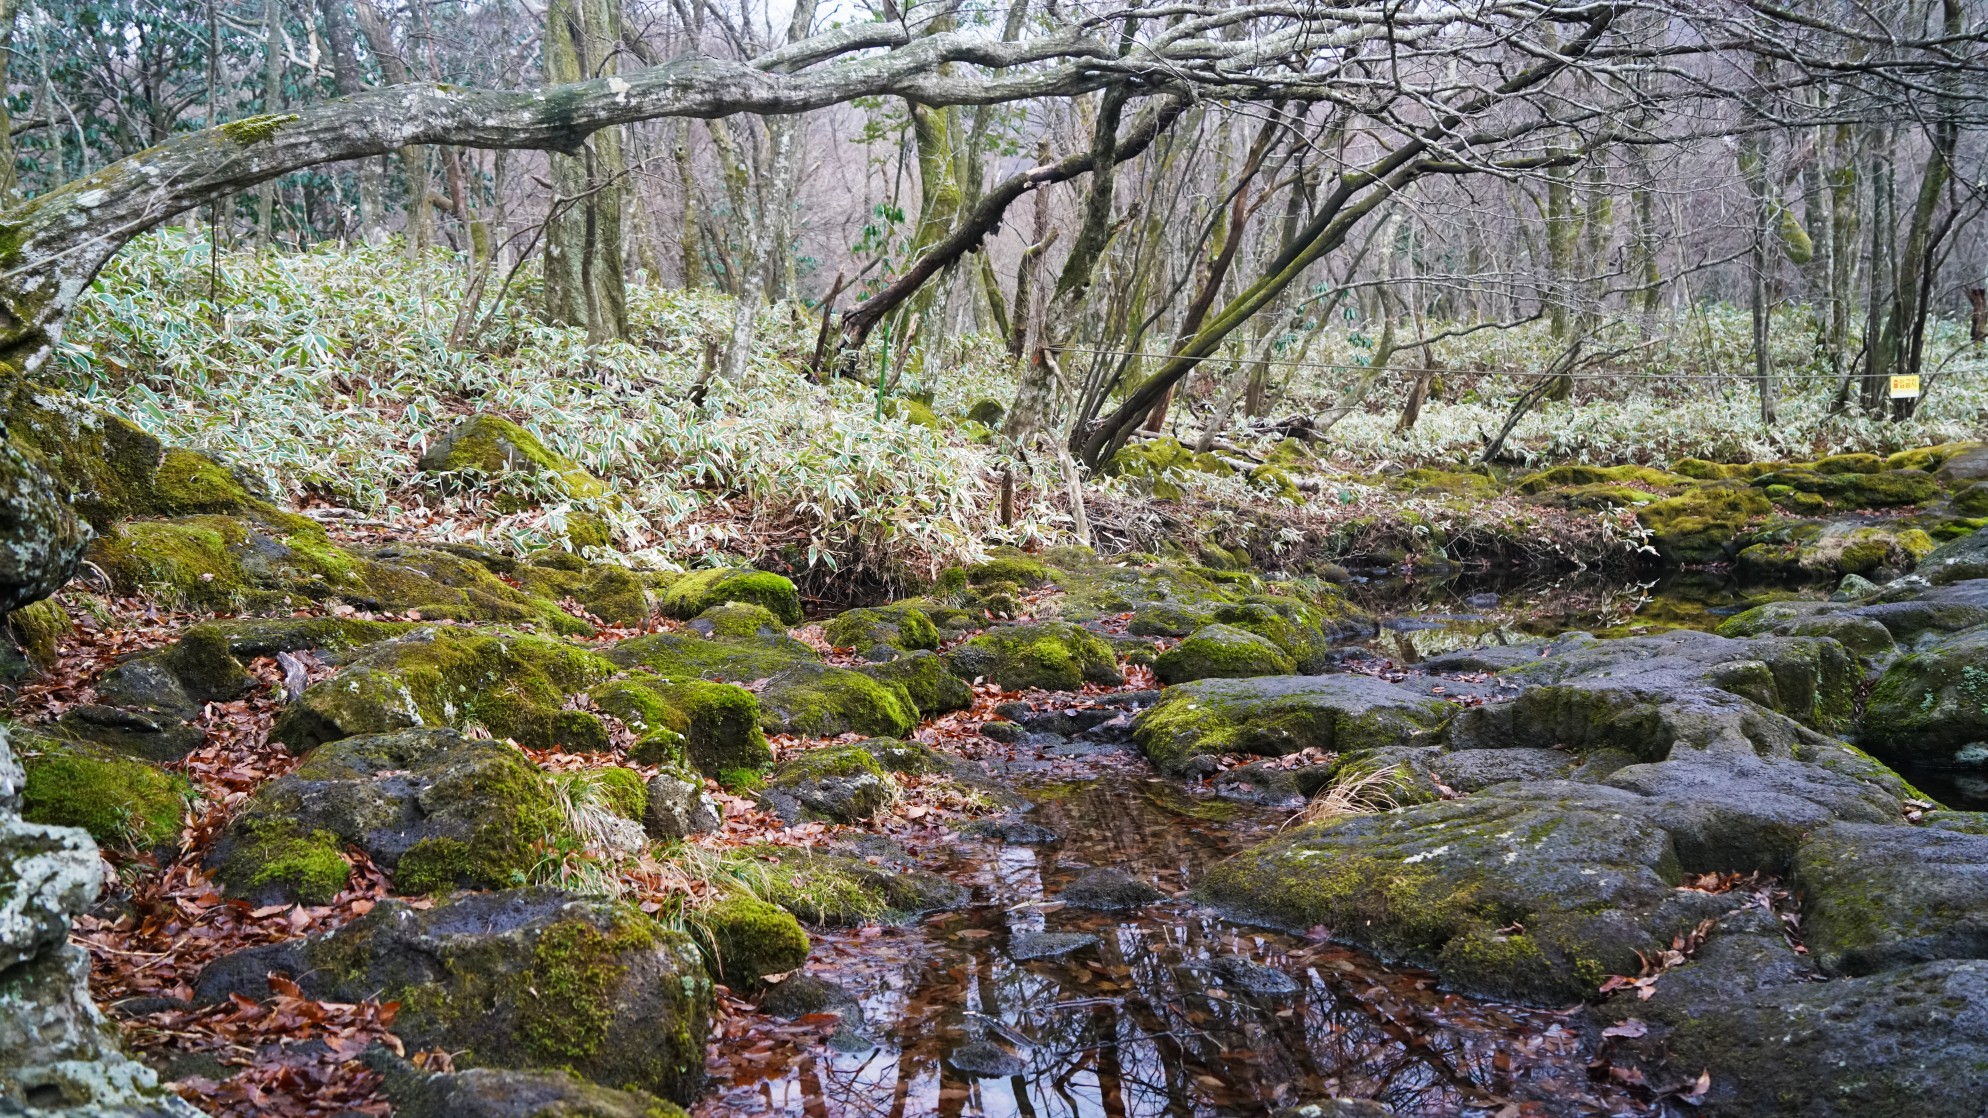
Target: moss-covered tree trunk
<point>584,280</point>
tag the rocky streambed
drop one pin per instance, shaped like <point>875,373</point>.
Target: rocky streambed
<point>1023,845</point>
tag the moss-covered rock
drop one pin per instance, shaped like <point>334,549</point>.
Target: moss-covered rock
<point>112,469</point>
<point>987,413</point>
<point>834,890</point>
<point>1831,551</point>
<point>739,621</point>
<point>840,783</point>
<point>1928,458</point>
<point>1535,898</point>
<point>1158,465</point>
<point>1276,715</point>
<point>818,700</point>
<point>901,627</point>
<point>750,939</point>
<point>1878,897</point>
<point>273,860</point>
<point>1932,703</point>
<point>1884,489</point>
<point>514,685</point>
<point>610,592</point>
<point>44,537</point>
<point>687,655</point>
<point>933,688</point>
<point>1051,655</point>
<point>495,1093</point>
<point>1560,477</point>
<point>1700,525</point>
<point>713,727</point>
<point>491,445</point>
<point>125,804</point>
<point>436,810</point>
<point>38,629</point>
<point>696,591</point>
<point>527,978</point>
<point>1017,569</point>
<point>1427,479</point>
<point>1222,652</point>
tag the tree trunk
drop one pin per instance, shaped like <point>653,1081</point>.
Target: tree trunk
<point>272,103</point>
<point>584,284</point>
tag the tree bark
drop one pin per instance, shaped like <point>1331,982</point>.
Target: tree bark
<point>584,281</point>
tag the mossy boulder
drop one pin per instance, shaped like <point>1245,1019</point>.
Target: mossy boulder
<point>932,687</point>
<point>38,629</point>
<point>1561,477</point>
<point>1928,458</point>
<point>1222,652</point>
<point>1276,715</point>
<point>688,655</point>
<point>610,592</point>
<point>514,685</point>
<point>1533,896</point>
<point>1602,495</point>
<point>524,978</point>
<point>1884,489</point>
<point>1427,479</point>
<point>1880,897</point>
<point>712,727</point>
<point>1050,655</point>
<point>1831,551</point>
<point>1972,500</point>
<point>840,783</point>
<point>899,627</point>
<point>818,700</point>
<point>436,810</point>
<point>696,591</point>
<point>837,890</point>
<point>492,446</point>
<point>44,538</point>
<point>497,1093</point>
<point>1699,525</point>
<point>112,469</point>
<point>1957,560</point>
<point>1932,703</point>
<point>750,939</point>
<point>987,413</point>
<point>1163,620</point>
<point>1863,636</point>
<point>125,804</point>
<point>677,807</point>
<point>1016,569</point>
<point>739,621</point>
<point>1159,465</point>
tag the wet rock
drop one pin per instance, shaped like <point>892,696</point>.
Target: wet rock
<point>1581,868</point>
<point>57,1052</point>
<point>1472,770</point>
<point>1733,811</point>
<point>1933,704</point>
<point>1222,652</point>
<point>1252,978</point>
<point>1906,612</point>
<point>1050,655</point>
<point>837,890</point>
<point>433,808</point>
<point>497,1093</point>
<point>1270,784</point>
<point>1957,560</point>
<point>1885,897</point>
<point>44,538</point>
<point>1276,715</point>
<point>1853,588</point>
<point>1336,1108</point>
<point>987,1060</point>
<point>819,700</point>
<point>1030,946</point>
<point>1499,657</point>
<point>1109,890</point>
<point>840,783</point>
<point>518,979</point>
<point>799,995</point>
<point>678,807</point>
<point>1012,831</point>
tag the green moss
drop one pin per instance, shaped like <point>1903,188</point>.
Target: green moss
<point>1927,458</point>
<point>275,853</point>
<point>492,445</point>
<point>914,411</point>
<point>1403,910</point>
<point>1601,495</point>
<point>258,129</point>
<point>187,483</point>
<point>932,688</point>
<point>1561,476</point>
<point>1886,489</point>
<point>1849,464</point>
<point>741,781</point>
<point>987,413</point>
<point>1013,569</point>
<point>1053,656</point>
<point>1157,464</point>
<point>815,700</point>
<point>698,591</point>
<point>738,621</point>
<point>1973,500</point>
<point>899,626</point>
<point>1276,483</point>
<point>1697,525</point>
<point>569,992</point>
<point>39,628</point>
<point>711,726</point>
<point>1428,479</point>
<point>123,803</point>
<point>750,939</point>
<point>1509,966</point>
<point>624,790</point>
<point>1222,651</point>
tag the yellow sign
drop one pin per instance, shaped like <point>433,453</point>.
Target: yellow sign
<point>1905,388</point>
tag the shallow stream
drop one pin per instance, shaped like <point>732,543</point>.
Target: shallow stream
<point>1175,1011</point>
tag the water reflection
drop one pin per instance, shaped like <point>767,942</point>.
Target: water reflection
<point>1149,1020</point>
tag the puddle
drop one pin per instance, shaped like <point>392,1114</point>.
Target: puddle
<point>1152,1019</point>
